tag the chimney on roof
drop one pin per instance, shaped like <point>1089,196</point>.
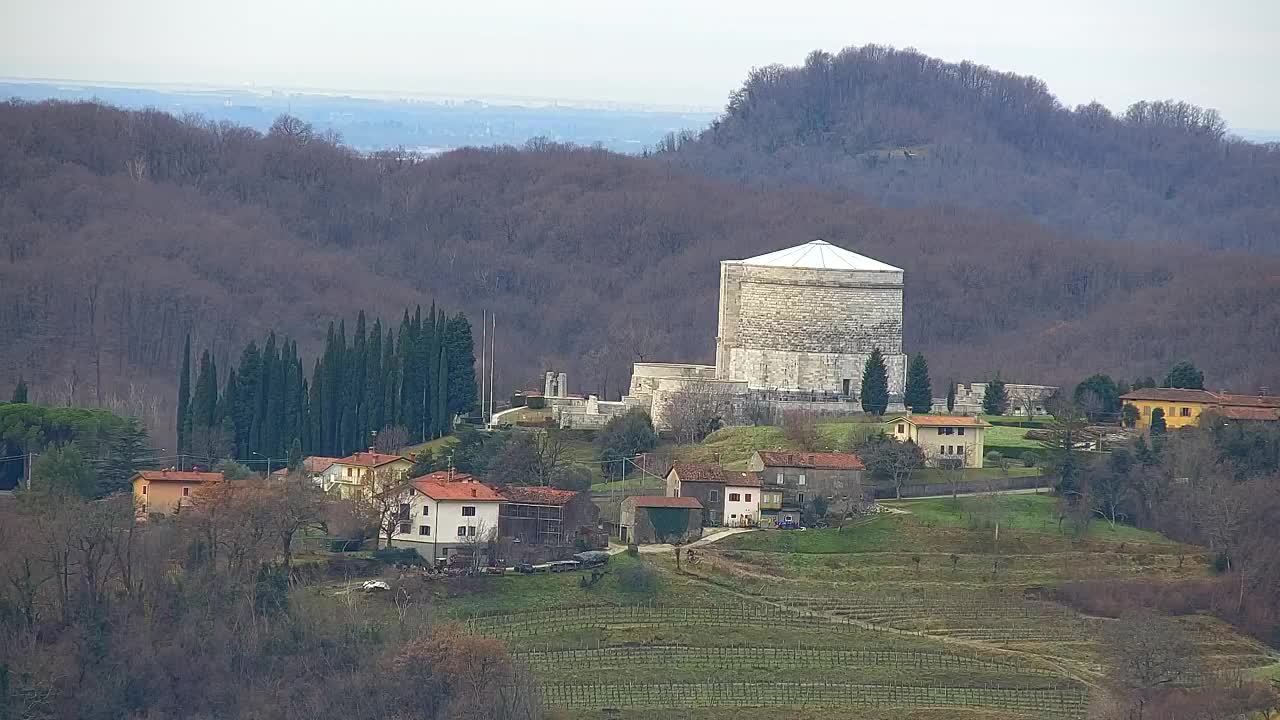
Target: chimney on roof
<point>1264,391</point>
<point>473,492</point>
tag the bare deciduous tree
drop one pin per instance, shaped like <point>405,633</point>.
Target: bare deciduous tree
<point>697,410</point>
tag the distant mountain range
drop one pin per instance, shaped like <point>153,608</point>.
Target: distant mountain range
<point>374,121</point>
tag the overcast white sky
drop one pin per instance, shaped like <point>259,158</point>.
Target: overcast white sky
<point>1222,54</point>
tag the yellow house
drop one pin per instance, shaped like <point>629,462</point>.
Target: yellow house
<point>168,491</point>
<point>1182,408</point>
<point>943,437</point>
<point>348,475</point>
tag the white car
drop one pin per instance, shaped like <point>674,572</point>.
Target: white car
<point>374,586</point>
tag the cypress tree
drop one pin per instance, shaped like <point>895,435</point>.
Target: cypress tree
<point>329,397</point>
<point>355,385</point>
<point>248,381</point>
<point>918,395</point>
<point>462,390</point>
<point>315,406</point>
<point>204,404</point>
<point>951,395</point>
<point>410,393</point>
<point>875,384</point>
<point>391,381</point>
<point>304,426</point>
<point>374,378</point>
<point>20,391</point>
<point>184,397</point>
<point>227,414</point>
<point>442,396</point>
<point>994,400</point>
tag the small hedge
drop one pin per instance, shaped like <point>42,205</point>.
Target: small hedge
<point>399,556</point>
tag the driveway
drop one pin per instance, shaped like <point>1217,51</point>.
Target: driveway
<point>714,536</point>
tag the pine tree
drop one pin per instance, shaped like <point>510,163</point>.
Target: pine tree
<point>123,459</point>
<point>462,365</point>
<point>20,391</point>
<point>918,395</point>
<point>1186,376</point>
<point>184,398</point>
<point>875,384</point>
<point>951,395</point>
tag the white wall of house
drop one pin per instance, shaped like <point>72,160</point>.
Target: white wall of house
<point>743,511</point>
<point>444,520</point>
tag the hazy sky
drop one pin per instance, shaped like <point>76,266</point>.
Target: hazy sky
<point>1222,54</point>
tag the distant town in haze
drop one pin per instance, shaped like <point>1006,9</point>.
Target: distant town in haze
<point>369,121</point>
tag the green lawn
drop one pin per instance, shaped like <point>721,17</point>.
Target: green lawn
<point>1005,436</point>
<point>436,446</point>
<point>934,475</point>
<point>1035,513</point>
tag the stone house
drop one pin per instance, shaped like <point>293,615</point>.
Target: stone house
<point>704,481</point>
<point>168,491</point>
<point>545,516</point>
<point>943,437</point>
<point>799,476</point>
<point>660,519</point>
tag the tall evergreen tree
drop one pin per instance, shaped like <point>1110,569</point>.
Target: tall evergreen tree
<point>204,404</point>
<point>184,397</point>
<point>124,458</point>
<point>461,352</point>
<point>410,391</point>
<point>355,384</point>
<point>918,395</point>
<point>1186,376</point>
<point>994,400</point>
<point>315,407</point>
<point>951,395</point>
<point>442,414</point>
<point>248,382</point>
<point>391,383</point>
<point>20,391</point>
<point>226,411</point>
<point>374,379</point>
<point>875,384</point>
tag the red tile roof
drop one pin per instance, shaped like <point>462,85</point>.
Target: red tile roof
<point>186,476</point>
<point>1171,395</point>
<point>537,495</point>
<point>1236,412</point>
<point>446,476</point>
<point>456,490</point>
<point>943,420</point>
<point>816,460</point>
<point>698,472</point>
<point>369,459</point>
<point>661,501</point>
<point>1265,401</point>
<point>742,479</point>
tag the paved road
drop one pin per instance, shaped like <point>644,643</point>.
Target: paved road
<point>717,535</point>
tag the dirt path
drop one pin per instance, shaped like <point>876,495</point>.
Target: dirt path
<point>719,534</point>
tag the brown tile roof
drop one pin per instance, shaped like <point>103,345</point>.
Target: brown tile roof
<point>661,501</point>
<point>698,472</point>
<point>186,476</point>
<point>816,460</point>
<point>1171,395</point>
<point>317,463</point>
<point>456,490</point>
<point>537,495</point>
<point>369,459</point>
<point>1237,412</point>
<point>742,479</point>
<point>1265,401</point>
<point>943,420</point>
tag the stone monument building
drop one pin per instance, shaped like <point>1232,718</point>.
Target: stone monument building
<point>807,318</point>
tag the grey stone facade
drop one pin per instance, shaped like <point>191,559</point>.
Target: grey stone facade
<point>843,488</point>
<point>808,329</point>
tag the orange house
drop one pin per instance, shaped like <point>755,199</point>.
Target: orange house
<point>167,491</point>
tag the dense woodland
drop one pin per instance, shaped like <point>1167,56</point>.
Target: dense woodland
<point>123,232</point>
<point>906,129</point>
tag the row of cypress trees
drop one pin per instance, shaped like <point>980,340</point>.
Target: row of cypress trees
<point>418,377</point>
<point>917,395</point>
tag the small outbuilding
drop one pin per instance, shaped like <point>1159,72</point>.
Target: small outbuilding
<point>659,519</point>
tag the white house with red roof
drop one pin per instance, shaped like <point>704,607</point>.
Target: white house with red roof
<point>741,499</point>
<point>447,512</point>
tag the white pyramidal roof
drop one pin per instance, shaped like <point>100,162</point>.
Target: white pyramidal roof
<point>819,255</point>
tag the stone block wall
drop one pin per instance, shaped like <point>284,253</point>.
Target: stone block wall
<point>807,329</point>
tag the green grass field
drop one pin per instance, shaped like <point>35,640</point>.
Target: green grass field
<point>1009,437</point>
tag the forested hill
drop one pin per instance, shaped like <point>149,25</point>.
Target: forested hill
<point>906,129</point>
<point>122,231</point>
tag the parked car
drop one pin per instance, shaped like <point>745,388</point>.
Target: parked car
<point>565,565</point>
<point>375,586</point>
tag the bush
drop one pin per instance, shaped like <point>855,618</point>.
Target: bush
<point>639,580</point>
<point>1029,459</point>
<point>399,556</point>
<point>994,457</point>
